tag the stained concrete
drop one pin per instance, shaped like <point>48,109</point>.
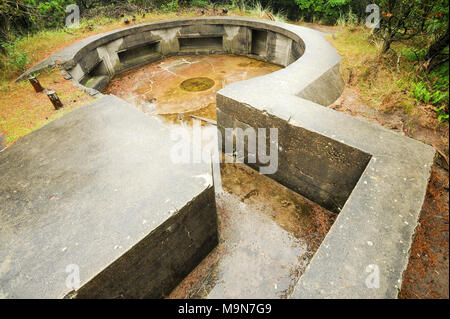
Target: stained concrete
<point>375,179</point>
<point>267,236</point>
<point>378,218</point>
<point>96,188</point>
<point>156,88</point>
<point>121,50</point>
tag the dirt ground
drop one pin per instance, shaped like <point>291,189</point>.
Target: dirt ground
<point>427,275</point>
<point>428,269</point>
<point>22,110</point>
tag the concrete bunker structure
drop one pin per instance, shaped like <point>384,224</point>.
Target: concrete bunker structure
<point>353,168</point>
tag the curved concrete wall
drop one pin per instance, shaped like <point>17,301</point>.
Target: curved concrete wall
<point>94,61</point>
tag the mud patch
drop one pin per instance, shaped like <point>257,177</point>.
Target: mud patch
<point>197,84</point>
<point>427,275</point>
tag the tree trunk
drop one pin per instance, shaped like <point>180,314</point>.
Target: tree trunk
<point>3,32</point>
<point>386,45</point>
<point>437,46</point>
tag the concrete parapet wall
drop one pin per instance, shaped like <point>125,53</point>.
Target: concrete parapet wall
<point>93,61</point>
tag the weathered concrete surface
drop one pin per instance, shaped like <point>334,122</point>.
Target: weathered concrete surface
<point>374,177</point>
<point>156,89</point>
<point>97,189</point>
<point>107,54</point>
<point>236,33</point>
<point>378,220</point>
<point>267,236</point>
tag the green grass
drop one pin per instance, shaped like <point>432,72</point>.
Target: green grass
<point>393,80</point>
<point>200,3</point>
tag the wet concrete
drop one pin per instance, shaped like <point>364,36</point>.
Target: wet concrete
<point>157,88</point>
<point>268,233</point>
<point>87,193</point>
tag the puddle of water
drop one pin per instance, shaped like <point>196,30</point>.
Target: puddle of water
<point>157,88</point>
<point>268,234</point>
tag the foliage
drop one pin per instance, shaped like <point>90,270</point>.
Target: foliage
<point>422,93</point>
<point>328,10</point>
<point>439,79</point>
<point>347,19</point>
<point>16,58</point>
<point>387,82</point>
<point>53,11</point>
<point>407,19</point>
<point>170,6</point>
<point>434,89</point>
<point>259,10</point>
<point>442,112</point>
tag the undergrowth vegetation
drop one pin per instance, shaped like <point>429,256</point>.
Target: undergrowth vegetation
<point>392,80</point>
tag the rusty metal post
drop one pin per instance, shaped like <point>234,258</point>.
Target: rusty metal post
<point>54,99</point>
<point>35,83</point>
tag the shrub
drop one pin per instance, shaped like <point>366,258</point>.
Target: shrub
<point>200,3</point>
<point>16,58</point>
<point>327,10</point>
<point>170,6</point>
<point>53,11</point>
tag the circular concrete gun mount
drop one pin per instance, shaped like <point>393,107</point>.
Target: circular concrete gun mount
<point>373,178</point>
